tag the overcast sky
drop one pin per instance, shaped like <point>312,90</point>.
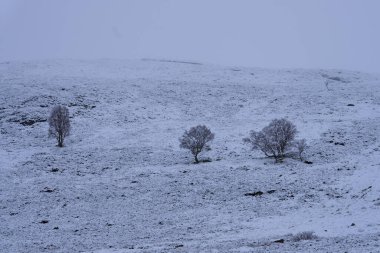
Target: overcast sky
<point>341,34</point>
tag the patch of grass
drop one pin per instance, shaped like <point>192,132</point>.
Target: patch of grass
<point>302,236</point>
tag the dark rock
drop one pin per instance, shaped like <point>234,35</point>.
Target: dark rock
<point>254,194</point>
<point>178,246</point>
<point>271,191</point>
<point>350,105</point>
<point>47,189</point>
<point>51,247</point>
<point>279,241</point>
<point>56,228</point>
<point>30,122</point>
<point>44,221</point>
<point>89,106</point>
<point>308,162</point>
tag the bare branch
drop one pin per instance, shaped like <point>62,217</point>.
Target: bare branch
<point>301,146</point>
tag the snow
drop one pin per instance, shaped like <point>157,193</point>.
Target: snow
<point>122,184</point>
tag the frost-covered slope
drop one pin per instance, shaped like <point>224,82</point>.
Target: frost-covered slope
<point>121,183</point>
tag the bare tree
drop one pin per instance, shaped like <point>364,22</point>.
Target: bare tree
<point>327,84</point>
<point>273,140</point>
<point>300,146</point>
<point>196,139</point>
<point>59,123</point>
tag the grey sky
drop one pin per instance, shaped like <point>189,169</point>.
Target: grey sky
<point>267,33</point>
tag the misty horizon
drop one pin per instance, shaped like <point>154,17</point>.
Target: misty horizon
<point>271,34</point>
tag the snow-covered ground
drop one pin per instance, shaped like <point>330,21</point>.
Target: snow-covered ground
<point>122,184</point>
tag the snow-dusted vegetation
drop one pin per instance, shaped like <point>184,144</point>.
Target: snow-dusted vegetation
<point>121,183</point>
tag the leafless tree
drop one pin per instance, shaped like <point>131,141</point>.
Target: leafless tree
<point>300,146</point>
<point>196,139</point>
<point>273,140</point>
<point>59,123</point>
<point>327,84</point>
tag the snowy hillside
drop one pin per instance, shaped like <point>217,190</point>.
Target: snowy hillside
<point>122,184</point>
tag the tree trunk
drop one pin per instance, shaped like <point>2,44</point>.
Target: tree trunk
<point>60,141</point>
<point>278,159</point>
<point>196,158</point>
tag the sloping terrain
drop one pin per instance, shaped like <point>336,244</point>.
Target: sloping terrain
<point>122,184</point>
